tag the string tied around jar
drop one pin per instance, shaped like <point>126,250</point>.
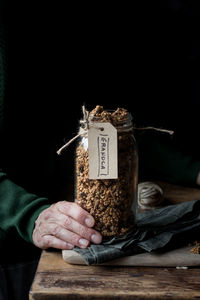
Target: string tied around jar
<point>83,130</point>
<point>85,125</point>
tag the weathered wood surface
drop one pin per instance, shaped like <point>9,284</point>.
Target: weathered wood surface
<point>181,257</point>
<point>56,279</point>
<point>177,194</point>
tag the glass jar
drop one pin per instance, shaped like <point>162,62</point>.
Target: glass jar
<point>112,202</point>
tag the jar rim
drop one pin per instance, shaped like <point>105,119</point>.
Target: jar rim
<point>118,123</point>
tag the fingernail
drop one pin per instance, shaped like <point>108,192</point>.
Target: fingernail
<point>96,238</point>
<point>70,246</point>
<point>83,242</point>
<point>89,222</point>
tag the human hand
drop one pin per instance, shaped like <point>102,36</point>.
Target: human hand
<point>64,225</point>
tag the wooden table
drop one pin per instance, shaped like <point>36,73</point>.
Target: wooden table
<point>56,279</point>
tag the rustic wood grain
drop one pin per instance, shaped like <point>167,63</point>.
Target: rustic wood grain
<point>177,193</point>
<point>58,280</point>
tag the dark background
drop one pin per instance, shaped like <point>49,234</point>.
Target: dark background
<point>146,54</point>
<point>144,57</point>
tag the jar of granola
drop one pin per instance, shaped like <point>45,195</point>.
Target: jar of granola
<point>110,199</point>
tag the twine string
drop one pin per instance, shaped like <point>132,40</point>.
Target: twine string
<point>84,127</point>
<point>83,130</point>
<point>171,132</point>
<point>150,194</point>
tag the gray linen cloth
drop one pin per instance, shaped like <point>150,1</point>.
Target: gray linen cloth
<point>161,229</point>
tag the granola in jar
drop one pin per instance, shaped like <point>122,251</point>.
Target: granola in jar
<point>112,202</point>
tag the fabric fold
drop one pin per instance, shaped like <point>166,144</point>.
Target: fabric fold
<point>161,229</point>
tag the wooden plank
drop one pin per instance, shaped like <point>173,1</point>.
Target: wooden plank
<point>179,257</point>
<point>58,280</point>
<point>177,193</point>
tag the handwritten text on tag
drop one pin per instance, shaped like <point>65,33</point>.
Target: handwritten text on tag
<point>102,144</point>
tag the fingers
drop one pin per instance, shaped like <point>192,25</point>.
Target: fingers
<point>63,226</point>
<point>76,212</point>
<point>58,238</point>
<point>72,225</point>
<point>64,234</point>
<point>50,241</point>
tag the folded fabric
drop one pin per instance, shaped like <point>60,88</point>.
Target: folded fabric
<point>158,230</point>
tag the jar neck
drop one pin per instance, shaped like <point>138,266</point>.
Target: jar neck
<point>120,125</point>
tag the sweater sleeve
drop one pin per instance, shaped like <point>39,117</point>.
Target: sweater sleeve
<point>18,208</point>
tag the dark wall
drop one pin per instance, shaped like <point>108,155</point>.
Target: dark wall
<point>144,57</point>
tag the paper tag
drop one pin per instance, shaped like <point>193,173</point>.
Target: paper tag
<point>102,147</point>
